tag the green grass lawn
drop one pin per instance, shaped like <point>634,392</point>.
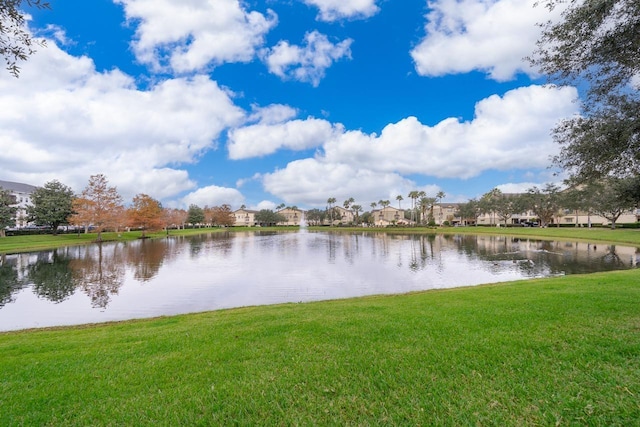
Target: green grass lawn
<point>626,236</point>
<point>16,244</point>
<point>561,351</point>
<point>555,351</point>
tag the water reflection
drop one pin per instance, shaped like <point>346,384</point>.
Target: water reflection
<point>185,274</point>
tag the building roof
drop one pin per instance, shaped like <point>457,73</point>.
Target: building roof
<point>17,187</point>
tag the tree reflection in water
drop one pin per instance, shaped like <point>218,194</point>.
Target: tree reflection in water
<point>99,272</point>
<point>146,258</point>
<point>10,282</point>
<point>52,278</point>
<point>227,270</point>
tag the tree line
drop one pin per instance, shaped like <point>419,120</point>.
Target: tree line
<point>608,197</point>
<point>100,207</point>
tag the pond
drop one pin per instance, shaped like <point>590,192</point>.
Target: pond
<point>148,278</point>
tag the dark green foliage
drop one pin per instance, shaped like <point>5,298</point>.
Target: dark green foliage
<point>7,211</point>
<point>597,43</point>
<point>610,197</point>
<point>315,216</point>
<point>51,205</point>
<point>267,217</point>
<point>16,43</point>
<point>544,203</point>
<point>195,215</point>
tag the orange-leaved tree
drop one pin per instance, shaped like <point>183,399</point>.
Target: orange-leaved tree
<point>98,206</point>
<point>145,213</point>
<point>222,216</point>
<point>174,217</point>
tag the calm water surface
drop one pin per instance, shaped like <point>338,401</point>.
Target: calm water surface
<point>118,281</point>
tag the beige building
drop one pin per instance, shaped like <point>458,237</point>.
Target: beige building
<point>446,212</point>
<point>387,216</point>
<point>584,219</point>
<point>293,216</point>
<point>341,216</point>
<point>563,217</point>
<point>245,218</point>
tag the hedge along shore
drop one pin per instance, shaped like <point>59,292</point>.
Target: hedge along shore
<point>554,351</point>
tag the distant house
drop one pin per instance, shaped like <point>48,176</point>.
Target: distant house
<point>341,216</point>
<point>245,218</point>
<point>292,216</point>
<point>22,196</point>
<point>448,212</point>
<point>388,215</point>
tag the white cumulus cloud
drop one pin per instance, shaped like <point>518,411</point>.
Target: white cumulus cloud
<point>508,132</point>
<point>67,121</point>
<point>493,36</point>
<point>190,35</point>
<point>271,114</point>
<point>310,181</point>
<point>307,63</point>
<point>213,196</point>
<point>266,138</point>
<point>332,10</point>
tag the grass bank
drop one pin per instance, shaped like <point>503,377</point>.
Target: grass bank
<point>17,244</point>
<point>560,351</point>
<point>626,236</point>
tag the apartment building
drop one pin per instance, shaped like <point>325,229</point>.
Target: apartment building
<point>21,193</point>
<point>245,218</point>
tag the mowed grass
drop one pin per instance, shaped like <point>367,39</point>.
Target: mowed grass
<point>625,236</point>
<point>557,351</point>
<point>17,244</point>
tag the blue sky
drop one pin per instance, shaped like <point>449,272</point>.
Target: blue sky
<point>262,102</point>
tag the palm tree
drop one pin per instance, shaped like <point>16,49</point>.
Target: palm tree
<point>421,195</point>
<point>280,206</point>
<point>399,199</point>
<point>373,205</point>
<point>330,202</point>
<point>356,210</point>
<point>439,196</point>
<point>425,203</point>
<point>413,195</point>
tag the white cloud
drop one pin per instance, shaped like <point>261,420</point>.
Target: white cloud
<point>67,121</point>
<point>264,204</point>
<point>509,132</point>
<point>306,63</point>
<point>190,35</point>
<point>514,188</point>
<point>332,10</point>
<point>488,35</point>
<point>272,114</point>
<point>263,139</point>
<point>310,181</point>
<point>213,196</point>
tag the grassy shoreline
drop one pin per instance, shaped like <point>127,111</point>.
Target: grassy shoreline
<point>19,244</point>
<point>560,351</point>
<point>553,351</point>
